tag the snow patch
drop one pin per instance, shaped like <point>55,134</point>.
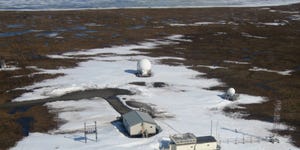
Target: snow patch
<point>93,25</point>
<point>10,68</point>
<point>58,57</point>
<point>211,67</point>
<point>295,17</point>
<point>198,24</point>
<point>252,36</point>
<point>285,73</point>
<point>236,62</point>
<point>272,23</point>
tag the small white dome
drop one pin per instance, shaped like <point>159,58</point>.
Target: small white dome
<point>231,91</point>
<point>144,65</point>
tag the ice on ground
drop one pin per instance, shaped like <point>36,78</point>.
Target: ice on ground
<point>186,99</point>
<point>285,73</point>
<point>17,33</point>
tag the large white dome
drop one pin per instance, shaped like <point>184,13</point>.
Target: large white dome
<point>231,91</point>
<point>144,65</point>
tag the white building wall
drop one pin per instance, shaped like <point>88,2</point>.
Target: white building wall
<point>182,147</point>
<point>206,146</point>
<point>151,128</point>
<point>136,129</point>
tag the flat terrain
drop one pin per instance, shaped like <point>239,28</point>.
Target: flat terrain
<point>264,40</point>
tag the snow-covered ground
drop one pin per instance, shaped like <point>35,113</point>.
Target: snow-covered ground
<point>185,98</point>
<point>94,4</point>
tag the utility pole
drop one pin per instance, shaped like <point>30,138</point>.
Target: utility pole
<point>85,133</point>
<point>276,118</point>
<point>211,124</point>
<point>96,133</point>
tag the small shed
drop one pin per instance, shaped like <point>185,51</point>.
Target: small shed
<point>189,141</point>
<point>139,123</point>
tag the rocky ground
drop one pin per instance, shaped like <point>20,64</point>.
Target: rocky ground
<point>255,50</point>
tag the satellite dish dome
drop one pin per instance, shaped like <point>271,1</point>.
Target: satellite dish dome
<point>144,67</point>
<point>231,91</point>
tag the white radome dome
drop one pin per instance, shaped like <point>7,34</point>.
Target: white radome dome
<point>231,91</point>
<point>144,65</point>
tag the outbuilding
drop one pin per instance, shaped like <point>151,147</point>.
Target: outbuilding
<point>139,123</point>
<point>189,141</point>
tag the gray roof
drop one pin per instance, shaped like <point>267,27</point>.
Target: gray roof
<point>182,139</point>
<point>135,117</point>
<point>206,139</point>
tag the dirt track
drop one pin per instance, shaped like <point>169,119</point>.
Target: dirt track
<point>108,94</point>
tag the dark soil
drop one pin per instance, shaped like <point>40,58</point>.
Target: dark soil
<point>154,84</point>
<point>159,84</point>
<point>138,83</point>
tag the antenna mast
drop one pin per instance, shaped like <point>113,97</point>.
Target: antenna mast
<point>276,118</point>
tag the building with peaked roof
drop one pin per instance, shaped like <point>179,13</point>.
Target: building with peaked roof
<point>189,141</point>
<point>139,123</point>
